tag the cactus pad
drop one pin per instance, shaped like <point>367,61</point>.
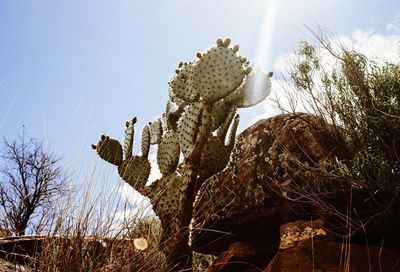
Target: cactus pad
<point>214,157</point>
<point>129,135</point>
<point>109,150</point>
<point>217,73</point>
<point>145,144</point>
<point>255,88</point>
<point>155,131</point>
<point>167,199</point>
<point>168,153</point>
<point>135,171</point>
<point>220,112</point>
<point>188,127</point>
<point>181,85</point>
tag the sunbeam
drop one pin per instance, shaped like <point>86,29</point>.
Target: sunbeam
<point>265,37</point>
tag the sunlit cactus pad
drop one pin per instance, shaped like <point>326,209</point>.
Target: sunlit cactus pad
<point>254,89</point>
<point>218,73</point>
<point>188,127</point>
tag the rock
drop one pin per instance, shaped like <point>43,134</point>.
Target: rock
<point>21,249</point>
<point>245,256</point>
<point>320,255</point>
<point>245,201</point>
<point>293,232</point>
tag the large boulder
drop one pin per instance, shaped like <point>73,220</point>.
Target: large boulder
<point>245,201</point>
<point>245,256</point>
<point>321,255</point>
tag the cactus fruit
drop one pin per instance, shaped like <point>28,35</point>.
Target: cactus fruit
<point>129,136</point>
<point>155,131</point>
<point>168,153</point>
<point>181,85</point>
<point>255,88</point>
<point>145,144</point>
<point>188,127</point>
<point>109,150</point>
<point>135,171</point>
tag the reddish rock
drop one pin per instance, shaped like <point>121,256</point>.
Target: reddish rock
<point>320,255</point>
<point>245,201</point>
<point>245,256</point>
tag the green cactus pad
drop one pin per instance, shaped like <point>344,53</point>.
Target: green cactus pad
<point>232,133</point>
<point>135,171</point>
<point>167,201</point>
<point>214,157</point>
<point>109,150</point>
<point>224,127</point>
<point>217,73</point>
<point>181,85</point>
<point>145,144</point>
<point>164,122</point>
<point>129,135</point>
<point>168,152</point>
<point>255,88</point>
<point>155,131</point>
<point>188,127</point>
<point>220,111</point>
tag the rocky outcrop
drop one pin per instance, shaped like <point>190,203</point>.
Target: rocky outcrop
<point>321,255</point>
<point>273,166</point>
<point>245,201</point>
<point>245,256</point>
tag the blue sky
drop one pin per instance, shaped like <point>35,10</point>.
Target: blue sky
<point>72,70</point>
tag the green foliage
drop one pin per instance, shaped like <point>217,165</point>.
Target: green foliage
<point>361,98</point>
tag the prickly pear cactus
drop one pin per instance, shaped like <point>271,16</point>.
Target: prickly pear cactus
<point>204,95</point>
<point>109,150</point>
<point>168,152</point>
<point>189,127</point>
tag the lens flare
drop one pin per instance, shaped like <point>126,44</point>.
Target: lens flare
<point>264,45</point>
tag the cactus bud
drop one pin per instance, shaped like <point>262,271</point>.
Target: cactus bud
<point>248,70</point>
<point>220,42</point>
<point>227,42</point>
<point>235,48</point>
<point>270,74</point>
<point>198,55</point>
